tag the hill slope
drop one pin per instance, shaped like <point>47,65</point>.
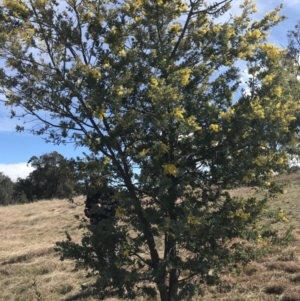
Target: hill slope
<point>30,270</point>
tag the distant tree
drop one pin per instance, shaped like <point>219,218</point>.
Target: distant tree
<point>293,49</point>
<point>90,171</point>
<point>52,177</point>
<point>153,88</point>
<point>6,190</point>
<point>23,190</point>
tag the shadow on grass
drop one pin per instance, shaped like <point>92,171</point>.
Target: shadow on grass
<point>82,295</point>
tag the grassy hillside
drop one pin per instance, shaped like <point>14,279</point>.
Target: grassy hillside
<point>30,270</point>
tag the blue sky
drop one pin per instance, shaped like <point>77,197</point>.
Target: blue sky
<point>17,148</point>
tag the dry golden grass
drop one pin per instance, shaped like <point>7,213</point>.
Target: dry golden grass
<point>29,268</point>
<point>31,271</point>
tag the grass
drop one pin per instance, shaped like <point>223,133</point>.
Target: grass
<point>30,270</point>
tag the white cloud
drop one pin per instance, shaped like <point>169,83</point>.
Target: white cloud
<point>14,171</point>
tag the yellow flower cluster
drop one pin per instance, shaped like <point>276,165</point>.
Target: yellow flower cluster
<point>126,253</point>
<point>257,109</point>
<point>181,5</point>
<point>281,216</point>
<point>216,28</point>
<point>254,34</point>
<point>260,160</point>
<point>223,114</point>
<point>272,52</point>
<point>119,90</point>
<point>185,76</point>
<point>87,17</point>
<point>106,65</point>
<point>106,160</point>
<point>170,169</point>
<point>249,176</point>
<point>254,8</point>
<point>18,7</point>
<point>100,114</point>
<point>277,91</point>
<point>153,82</point>
<point>268,79</point>
<point>137,2</point>
<point>193,220</point>
<point>191,121</point>
<point>122,53</point>
<point>178,113</point>
<point>229,32</point>
<point>138,19</point>
<point>259,239</point>
<point>126,6</point>
<point>281,160</point>
<point>239,214</point>
<point>214,127</point>
<point>175,28</point>
<point>143,153</point>
<point>163,148</point>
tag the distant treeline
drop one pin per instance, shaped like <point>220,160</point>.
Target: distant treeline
<point>53,177</point>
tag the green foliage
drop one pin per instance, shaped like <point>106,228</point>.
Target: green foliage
<point>6,190</point>
<point>90,173</point>
<point>9,193</point>
<point>293,49</point>
<point>53,177</point>
<point>153,89</point>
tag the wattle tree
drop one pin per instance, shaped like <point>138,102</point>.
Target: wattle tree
<point>153,89</point>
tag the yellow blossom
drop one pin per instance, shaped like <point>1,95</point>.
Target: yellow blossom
<point>126,253</point>
<point>259,239</point>
<point>164,148</point>
<point>126,7</point>
<point>281,216</point>
<point>106,160</point>
<point>191,121</point>
<point>245,135</point>
<point>185,76</point>
<point>230,31</point>
<point>113,29</point>
<point>143,153</point>
<point>193,220</point>
<point>254,8</point>
<point>271,51</point>
<point>100,114</point>
<point>214,127</point>
<point>121,53</point>
<point>119,90</point>
<point>138,19</point>
<point>175,28</point>
<point>223,115</point>
<point>268,79</point>
<point>239,214</point>
<point>280,160</point>
<point>277,91</point>
<point>153,82</point>
<point>106,65</point>
<point>178,113</point>
<point>170,169</point>
<point>259,161</point>
<point>256,34</point>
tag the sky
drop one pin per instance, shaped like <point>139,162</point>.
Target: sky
<point>17,148</point>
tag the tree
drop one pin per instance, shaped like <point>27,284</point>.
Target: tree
<point>153,89</point>
<point>6,190</point>
<point>53,177</point>
<point>293,49</point>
